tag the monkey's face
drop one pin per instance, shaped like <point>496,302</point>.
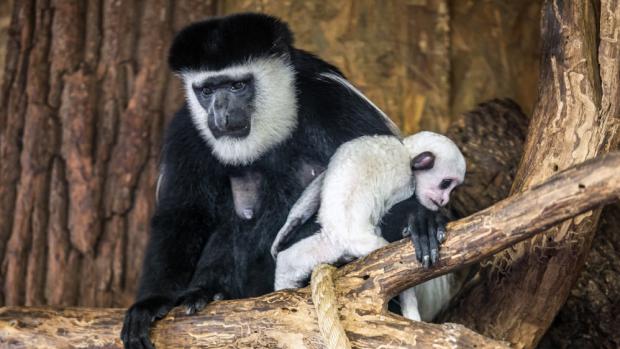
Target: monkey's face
<point>243,110</point>
<point>434,186</point>
<point>229,104</point>
<point>435,180</point>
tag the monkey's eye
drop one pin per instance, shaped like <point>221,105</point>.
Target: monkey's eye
<point>237,86</point>
<point>445,184</point>
<point>206,91</point>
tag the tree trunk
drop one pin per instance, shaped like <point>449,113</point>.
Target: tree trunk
<point>590,316</point>
<point>576,118</point>
<point>5,20</point>
<point>85,96</point>
<point>362,288</point>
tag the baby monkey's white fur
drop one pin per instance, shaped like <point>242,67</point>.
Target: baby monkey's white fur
<point>364,179</point>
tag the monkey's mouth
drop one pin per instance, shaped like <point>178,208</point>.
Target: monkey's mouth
<point>437,206</point>
<point>232,131</point>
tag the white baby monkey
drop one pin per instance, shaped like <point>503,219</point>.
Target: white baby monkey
<point>364,179</point>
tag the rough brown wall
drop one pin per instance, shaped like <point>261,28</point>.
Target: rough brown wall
<point>495,52</point>
<point>423,62</point>
<point>396,51</point>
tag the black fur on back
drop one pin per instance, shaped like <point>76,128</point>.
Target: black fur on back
<point>224,41</point>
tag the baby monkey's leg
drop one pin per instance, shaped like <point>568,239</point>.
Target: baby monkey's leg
<point>364,242</point>
<point>296,263</point>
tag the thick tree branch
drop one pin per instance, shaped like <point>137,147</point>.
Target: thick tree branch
<point>287,318</point>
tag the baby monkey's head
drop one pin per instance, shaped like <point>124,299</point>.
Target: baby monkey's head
<point>438,166</point>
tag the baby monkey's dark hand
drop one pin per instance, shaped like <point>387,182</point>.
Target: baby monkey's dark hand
<point>427,230</point>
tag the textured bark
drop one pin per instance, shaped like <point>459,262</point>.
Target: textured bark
<point>277,320</point>
<point>363,287</point>
<point>85,94</point>
<point>5,20</point>
<point>576,118</point>
<point>591,315</point>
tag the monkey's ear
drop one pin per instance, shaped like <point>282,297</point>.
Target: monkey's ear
<point>424,161</point>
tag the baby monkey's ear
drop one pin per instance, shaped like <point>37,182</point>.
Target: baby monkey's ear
<point>424,161</point>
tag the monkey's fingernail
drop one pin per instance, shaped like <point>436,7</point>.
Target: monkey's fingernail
<point>441,235</point>
<point>218,297</point>
<point>426,261</point>
<point>434,255</point>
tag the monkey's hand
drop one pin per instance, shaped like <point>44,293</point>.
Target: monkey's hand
<point>197,298</point>
<point>138,320</point>
<point>427,230</point>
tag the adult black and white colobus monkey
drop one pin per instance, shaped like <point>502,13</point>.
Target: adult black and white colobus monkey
<point>261,120</point>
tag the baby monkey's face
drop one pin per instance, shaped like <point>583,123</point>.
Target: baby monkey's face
<point>434,186</point>
<point>434,191</point>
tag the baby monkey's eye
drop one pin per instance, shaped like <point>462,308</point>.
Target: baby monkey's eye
<point>445,184</point>
<point>237,86</point>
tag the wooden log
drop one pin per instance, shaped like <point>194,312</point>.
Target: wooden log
<point>287,318</point>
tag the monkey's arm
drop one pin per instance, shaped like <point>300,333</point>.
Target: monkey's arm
<point>170,259</point>
<point>305,207</point>
<point>182,223</point>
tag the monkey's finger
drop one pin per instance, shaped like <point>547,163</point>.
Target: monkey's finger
<point>441,222</point>
<point>415,239</point>
<point>195,306</point>
<point>146,343</point>
<point>196,300</point>
<point>432,240</point>
<point>422,228</point>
